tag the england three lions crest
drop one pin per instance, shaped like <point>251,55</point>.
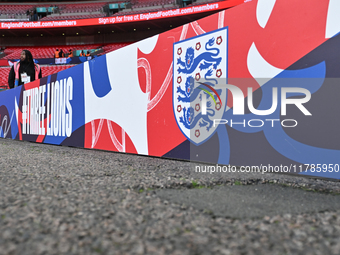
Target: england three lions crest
<point>200,67</point>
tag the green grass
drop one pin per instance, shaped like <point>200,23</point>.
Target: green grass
<point>142,190</point>
<point>195,185</point>
<point>237,183</point>
<point>98,250</point>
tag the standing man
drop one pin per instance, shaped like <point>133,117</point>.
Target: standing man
<point>61,54</point>
<point>70,53</point>
<point>56,53</point>
<point>24,71</point>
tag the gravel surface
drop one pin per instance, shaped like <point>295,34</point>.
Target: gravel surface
<point>62,200</point>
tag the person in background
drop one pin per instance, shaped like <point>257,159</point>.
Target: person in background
<point>70,53</point>
<point>35,15</point>
<point>24,71</point>
<point>56,9</point>
<point>82,54</point>
<point>31,15</point>
<point>61,54</point>
<point>88,54</point>
<point>56,53</point>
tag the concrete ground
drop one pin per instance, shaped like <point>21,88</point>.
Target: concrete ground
<point>62,200</point>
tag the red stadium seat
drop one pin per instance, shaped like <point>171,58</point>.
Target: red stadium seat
<point>48,51</point>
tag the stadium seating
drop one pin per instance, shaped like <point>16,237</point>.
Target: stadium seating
<point>148,3</point>
<point>85,11</point>
<point>76,11</point>
<point>68,17</point>
<point>199,2</point>
<point>113,46</point>
<point>37,52</point>
<point>48,51</point>
<point>141,10</point>
<point>88,7</point>
<point>15,9</point>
